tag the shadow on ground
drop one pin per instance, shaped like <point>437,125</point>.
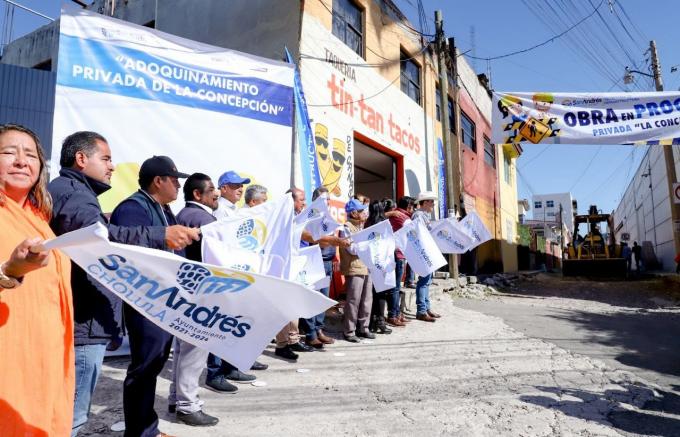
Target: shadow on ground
<point>650,419</point>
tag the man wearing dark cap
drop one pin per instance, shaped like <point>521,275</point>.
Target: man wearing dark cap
<point>149,344</point>
<point>231,190</point>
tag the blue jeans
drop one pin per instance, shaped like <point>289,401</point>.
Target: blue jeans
<point>217,367</point>
<point>410,276</point>
<point>89,359</point>
<point>315,323</point>
<point>395,298</point>
<point>423,294</point>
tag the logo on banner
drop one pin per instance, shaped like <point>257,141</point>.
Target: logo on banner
<point>373,240</point>
<point>251,234</point>
<point>443,234</point>
<point>531,125</point>
<point>196,279</point>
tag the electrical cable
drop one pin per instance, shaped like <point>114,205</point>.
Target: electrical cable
<point>553,38</point>
<point>578,179</point>
<point>366,65</point>
<point>545,149</point>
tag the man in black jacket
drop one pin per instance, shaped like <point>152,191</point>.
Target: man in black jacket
<point>149,344</point>
<point>85,174</point>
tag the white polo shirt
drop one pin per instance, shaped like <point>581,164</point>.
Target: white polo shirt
<point>225,209</point>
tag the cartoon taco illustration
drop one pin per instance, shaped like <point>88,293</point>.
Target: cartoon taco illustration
<point>323,156</point>
<point>332,178</point>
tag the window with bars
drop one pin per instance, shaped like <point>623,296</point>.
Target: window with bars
<point>348,25</point>
<point>467,132</point>
<point>538,204</point>
<point>410,77</point>
<point>549,203</point>
<point>489,152</point>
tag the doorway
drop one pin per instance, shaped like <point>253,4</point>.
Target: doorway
<point>378,172</point>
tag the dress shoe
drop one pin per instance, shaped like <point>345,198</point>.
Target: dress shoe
<point>366,334</point>
<point>172,409</point>
<point>162,434</point>
<point>324,338</point>
<point>221,385</point>
<point>316,343</point>
<point>259,366</point>
<point>425,317</point>
<point>393,321</point>
<point>352,338</point>
<point>433,314</point>
<point>403,319</point>
<point>300,347</point>
<point>240,377</point>
<point>410,285</point>
<point>197,418</point>
<point>286,352</point>
<point>383,329</point>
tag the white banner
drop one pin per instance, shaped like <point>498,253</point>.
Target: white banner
<point>264,229</point>
<point>317,219</point>
<point>449,237</point>
<point>152,93</point>
<point>375,247</point>
<point>307,267</point>
<point>230,313</point>
<point>586,118</point>
<point>419,248</point>
<point>473,226</point>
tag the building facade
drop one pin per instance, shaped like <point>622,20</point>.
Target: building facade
<point>546,208</point>
<point>370,82</point>
<point>644,214</point>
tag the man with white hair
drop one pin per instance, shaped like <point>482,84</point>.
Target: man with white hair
<point>255,195</point>
<point>425,202</point>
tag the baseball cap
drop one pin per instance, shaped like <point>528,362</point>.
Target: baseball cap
<point>159,166</point>
<point>426,195</point>
<point>231,177</point>
<point>354,205</point>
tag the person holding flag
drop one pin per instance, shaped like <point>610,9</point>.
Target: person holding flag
<point>425,201</point>
<point>358,282</point>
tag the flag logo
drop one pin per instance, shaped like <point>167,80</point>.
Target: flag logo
<point>251,234</point>
<point>197,279</point>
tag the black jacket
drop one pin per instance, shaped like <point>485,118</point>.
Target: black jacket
<point>97,312</point>
<point>194,216</point>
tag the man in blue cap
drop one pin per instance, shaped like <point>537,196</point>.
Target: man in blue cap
<point>231,190</point>
<point>358,282</point>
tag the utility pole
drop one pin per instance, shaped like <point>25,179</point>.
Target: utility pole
<point>561,233</point>
<point>446,130</point>
<point>671,175</point>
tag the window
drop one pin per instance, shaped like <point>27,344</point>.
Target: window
<point>507,170</point>
<point>410,77</point>
<point>549,204</point>
<point>489,152</point>
<point>348,25</point>
<point>550,214</point>
<point>467,132</point>
<point>438,108</point>
<point>538,204</point>
<point>452,116</point>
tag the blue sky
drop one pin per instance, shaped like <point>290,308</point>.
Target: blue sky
<point>594,174</point>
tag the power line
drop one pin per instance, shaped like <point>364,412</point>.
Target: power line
<point>525,164</point>
<point>367,65</point>
<point>578,179</point>
<point>359,100</point>
<point>517,52</point>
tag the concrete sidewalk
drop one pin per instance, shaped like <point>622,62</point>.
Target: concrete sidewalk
<point>467,374</point>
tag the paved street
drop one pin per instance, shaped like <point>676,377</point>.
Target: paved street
<point>468,374</point>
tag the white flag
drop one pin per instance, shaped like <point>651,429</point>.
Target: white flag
<point>450,238</point>
<point>307,266</point>
<point>419,248</point>
<point>265,229</point>
<point>317,219</point>
<point>216,253</point>
<point>230,313</point>
<point>375,247</point>
<point>472,225</point>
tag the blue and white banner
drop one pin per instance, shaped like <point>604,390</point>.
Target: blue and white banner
<point>375,247</point>
<point>419,248</point>
<point>231,313</point>
<point>441,180</point>
<point>149,93</point>
<point>586,118</point>
<point>311,179</point>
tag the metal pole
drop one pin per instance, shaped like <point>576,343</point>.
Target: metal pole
<point>446,130</point>
<point>669,159</point>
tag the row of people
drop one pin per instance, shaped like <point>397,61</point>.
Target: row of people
<point>78,318</point>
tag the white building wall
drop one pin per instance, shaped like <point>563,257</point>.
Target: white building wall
<point>644,212</point>
<point>552,214</point>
